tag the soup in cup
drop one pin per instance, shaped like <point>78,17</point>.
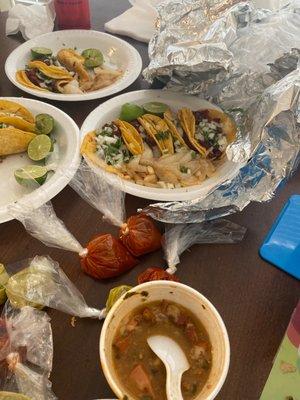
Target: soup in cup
<point>175,310</point>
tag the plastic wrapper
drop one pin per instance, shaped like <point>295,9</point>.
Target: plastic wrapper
<point>179,238</point>
<point>40,282</point>
<point>99,257</point>
<point>139,233</point>
<point>104,256</point>
<point>99,193</point>
<point>107,257</point>
<point>244,58</point>
<point>26,352</point>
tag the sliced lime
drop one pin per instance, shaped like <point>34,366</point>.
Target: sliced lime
<point>131,111</point>
<point>44,124</point>
<point>93,58</point>
<point>12,396</point>
<point>39,147</point>
<point>38,53</point>
<point>31,175</point>
<point>155,108</point>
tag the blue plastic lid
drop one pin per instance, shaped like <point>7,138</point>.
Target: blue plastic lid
<point>282,244</point>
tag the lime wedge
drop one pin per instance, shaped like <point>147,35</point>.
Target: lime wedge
<point>39,147</point>
<point>155,108</point>
<point>130,111</point>
<point>31,175</point>
<point>44,124</point>
<point>38,53</point>
<point>93,58</point>
<point>12,396</point>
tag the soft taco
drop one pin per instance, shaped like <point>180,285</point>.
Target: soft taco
<point>13,140</point>
<point>158,130</point>
<point>106,149</point>
<point>209,131</point>
<point>8,107</point>
<point>175,130</point>
<point>23,79</point>
<point>17,122</point>
<point>73,62</point>
<point>131,137</point>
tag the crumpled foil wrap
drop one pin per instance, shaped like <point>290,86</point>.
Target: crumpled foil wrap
<point>246,60</point>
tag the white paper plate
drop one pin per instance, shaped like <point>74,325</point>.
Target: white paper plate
<point>66,152</point>
<point>111,109</point>
<point>116,51</point>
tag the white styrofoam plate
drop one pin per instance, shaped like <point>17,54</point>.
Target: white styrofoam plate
<point>111,109</point>
<point>116,52</point>
<point>66,154</point>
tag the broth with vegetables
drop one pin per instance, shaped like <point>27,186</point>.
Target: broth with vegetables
<point>140,371</point>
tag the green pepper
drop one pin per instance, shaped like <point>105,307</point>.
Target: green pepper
<point>115,294</point>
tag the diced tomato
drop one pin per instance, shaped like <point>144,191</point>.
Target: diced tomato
<point>122,344</point>
<point>141,379</point>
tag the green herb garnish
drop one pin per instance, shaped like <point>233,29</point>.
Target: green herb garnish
<point>162,135</point>
<point>183,169</point>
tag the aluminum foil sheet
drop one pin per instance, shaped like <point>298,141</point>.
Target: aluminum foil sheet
<point>246,60</point>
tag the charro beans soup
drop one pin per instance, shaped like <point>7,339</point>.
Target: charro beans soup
<point>140,371</point>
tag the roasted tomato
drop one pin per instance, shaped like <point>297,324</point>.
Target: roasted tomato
<point>140,235</point>
<point>156,274</point>
<point>107,257</point>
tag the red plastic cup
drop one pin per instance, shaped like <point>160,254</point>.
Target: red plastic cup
<point>73,14</point>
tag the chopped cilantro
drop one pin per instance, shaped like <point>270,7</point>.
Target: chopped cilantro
<point>183,169</point>
<point>162,135</point>
<point>193,154</point>
<point>3,125</point>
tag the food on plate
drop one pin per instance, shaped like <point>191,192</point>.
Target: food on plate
<point>115,294</point>
<point>208,131</point>
<point>67,72</point>
<point>8,108</point>
<point>156,274</point>
<point>21,131</point>
<point>140,235</point>
<point>154,146</point>
<point>13,141</point>
<point>140,371</point>
<point>31,175</point>
<point>107,257</point>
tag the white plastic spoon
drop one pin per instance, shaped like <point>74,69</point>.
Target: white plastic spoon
<point>175,362</point>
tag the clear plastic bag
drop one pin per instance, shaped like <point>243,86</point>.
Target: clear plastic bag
<point>105,256</point>
<point>180,237</point>
<point>99,193</point>
<point>40,282</point>
<point>26,352</point>
<point>43,224</point>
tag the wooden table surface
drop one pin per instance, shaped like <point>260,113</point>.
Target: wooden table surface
<point>254,298</point>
